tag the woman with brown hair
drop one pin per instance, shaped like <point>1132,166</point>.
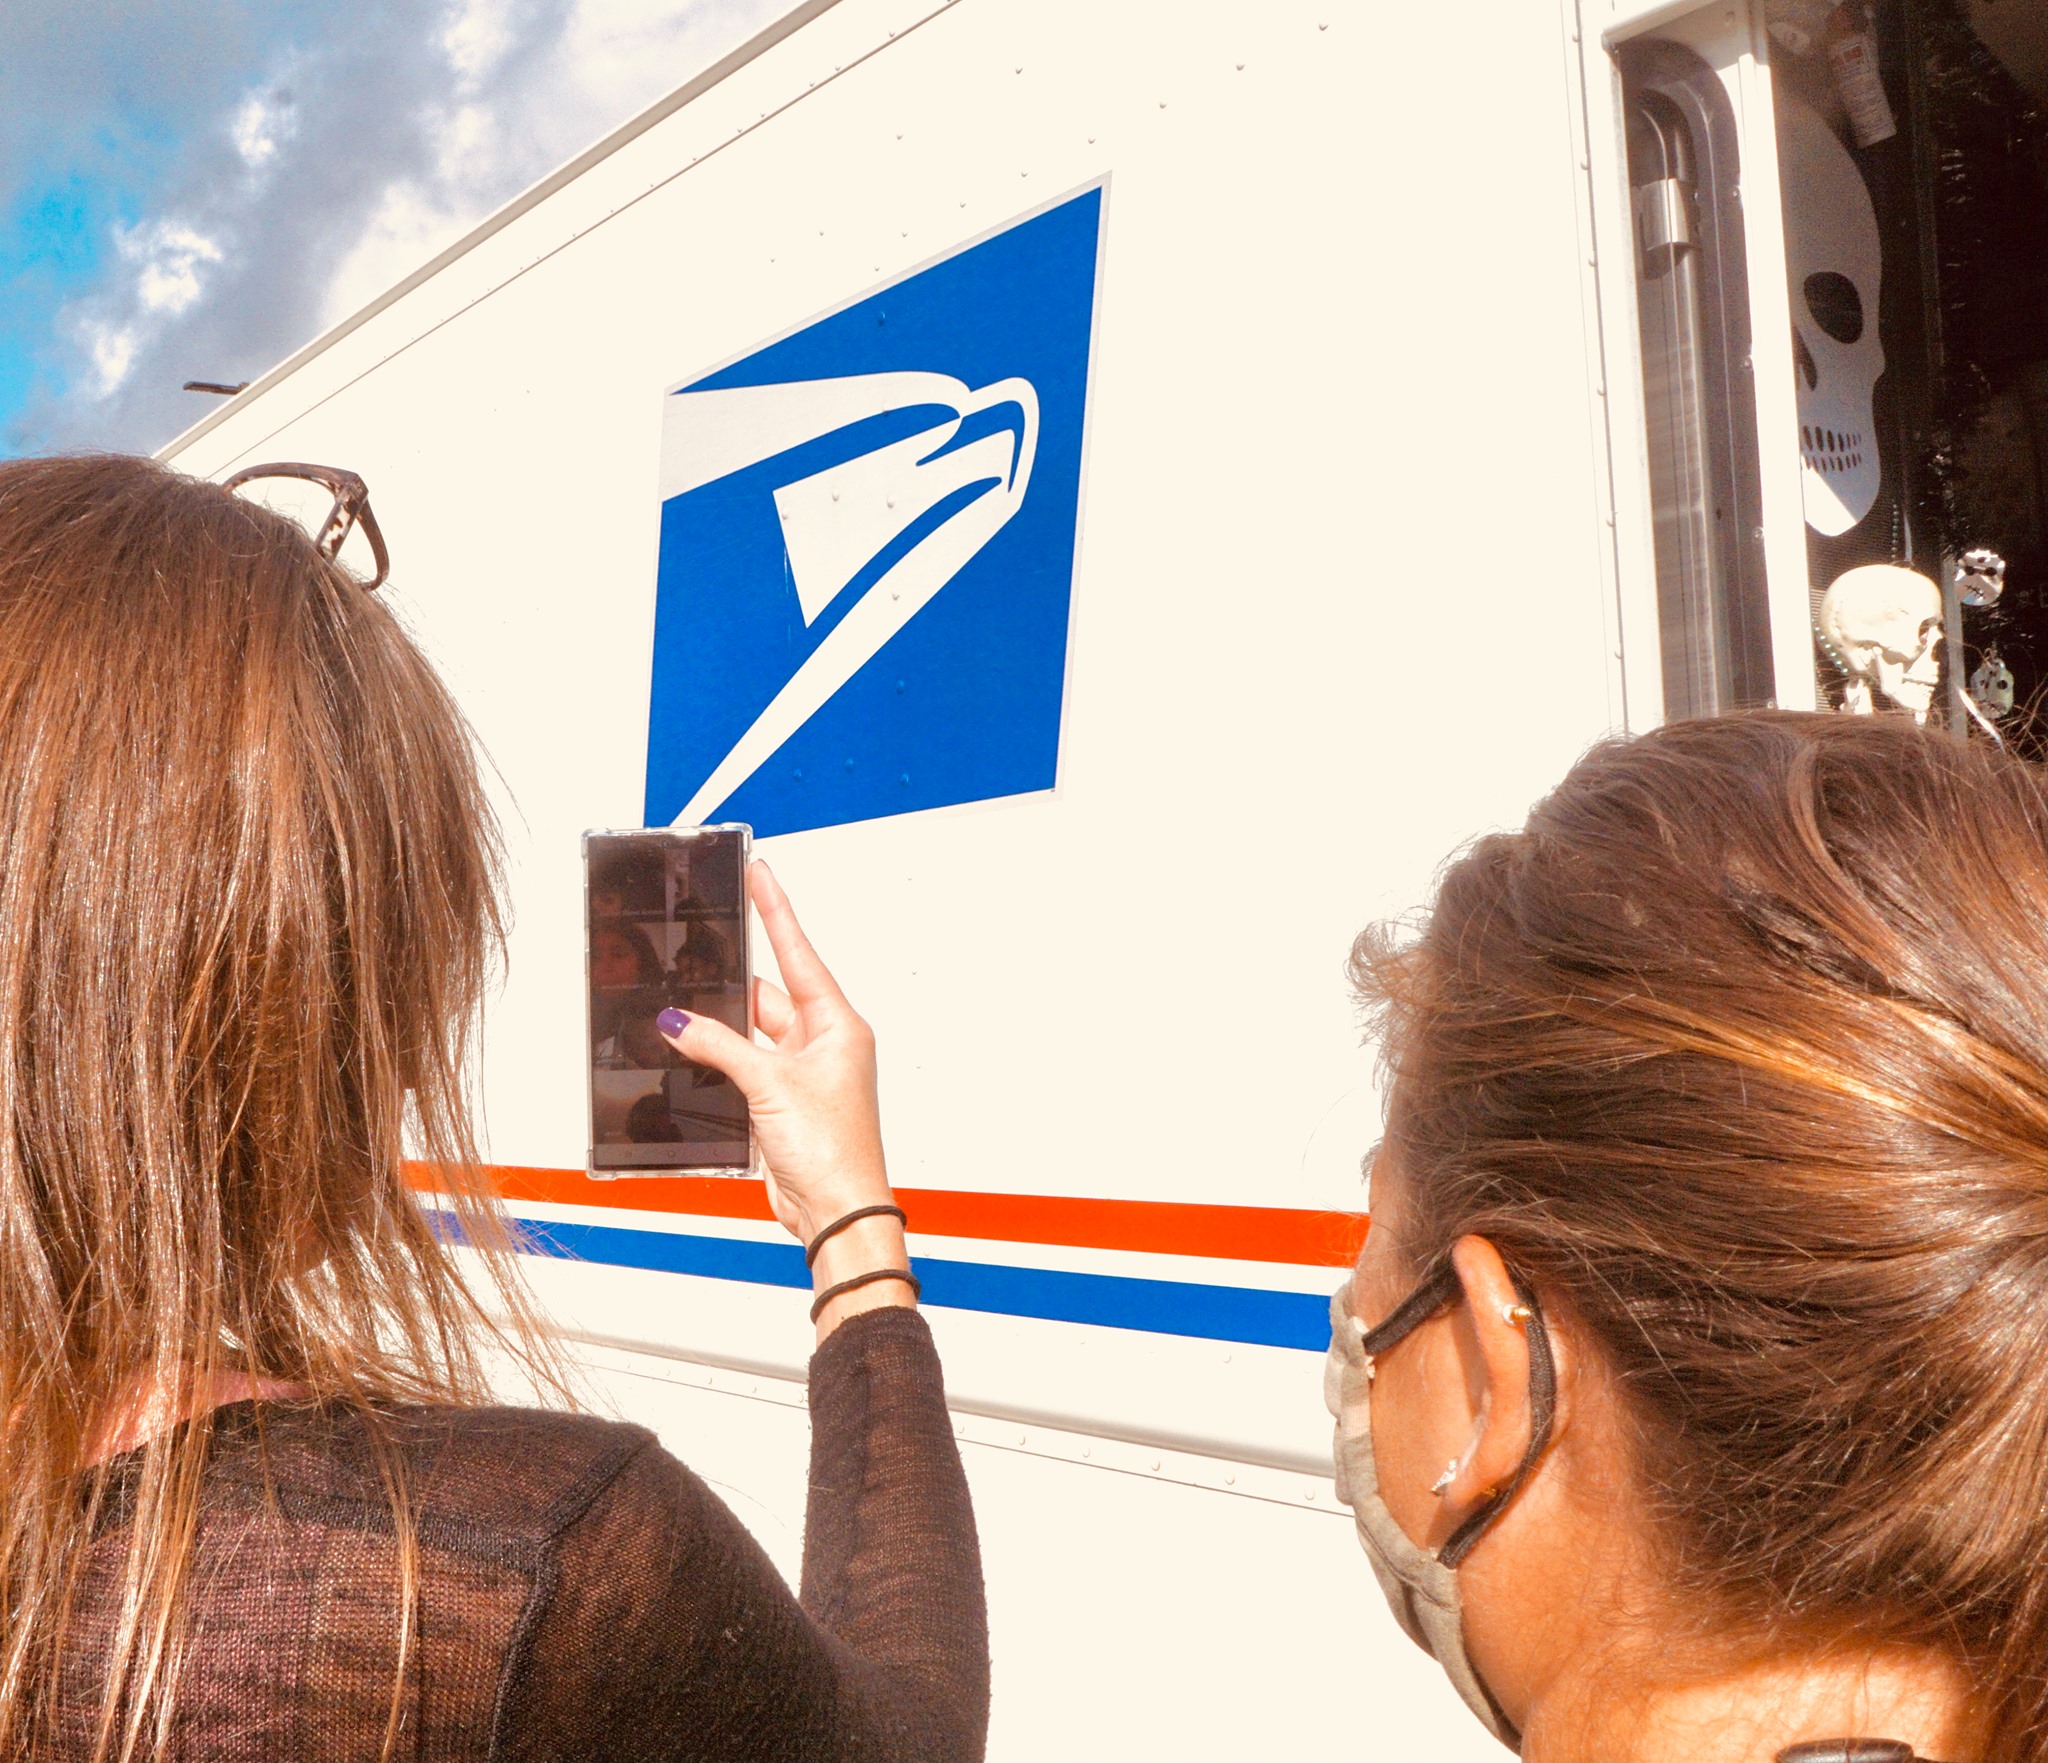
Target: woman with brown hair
<point>257,1502</point>
<point>1691,1385</point>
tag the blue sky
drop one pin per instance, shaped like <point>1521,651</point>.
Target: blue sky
<point>49,250</point>
<point>189,189</point>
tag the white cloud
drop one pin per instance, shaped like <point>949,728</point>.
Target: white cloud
<point>469,144</point>
<point>476,38</point>
<point>170,254</point>
<point>113,331</point>
<point>262,123</point>
<point>406,229</point>
<point>111,350</point>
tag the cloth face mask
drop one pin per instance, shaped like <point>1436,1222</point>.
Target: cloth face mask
<point>1421,1587</point>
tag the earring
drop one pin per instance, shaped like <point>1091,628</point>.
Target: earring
<point>1516,1314</point>
<point>1444,1480</point>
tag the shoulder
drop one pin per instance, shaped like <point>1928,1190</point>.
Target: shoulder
<point>525,1467</point>
<point>519,1475</point>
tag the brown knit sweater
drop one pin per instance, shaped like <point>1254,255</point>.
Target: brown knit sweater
<point>582,1594</point>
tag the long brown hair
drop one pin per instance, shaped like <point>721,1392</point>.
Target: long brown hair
<point>248,910</point>
<point>1739,1053</point>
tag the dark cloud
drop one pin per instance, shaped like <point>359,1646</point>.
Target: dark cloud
<point>266,149</point>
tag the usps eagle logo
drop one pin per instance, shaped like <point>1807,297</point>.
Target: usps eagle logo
<point>867,546</point>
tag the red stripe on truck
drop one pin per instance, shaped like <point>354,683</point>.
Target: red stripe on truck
<point>1156,1227</point>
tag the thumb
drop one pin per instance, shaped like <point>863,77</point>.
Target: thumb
<point>711,1043</point>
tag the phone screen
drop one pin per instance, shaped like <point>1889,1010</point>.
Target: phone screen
<point>666,922</point>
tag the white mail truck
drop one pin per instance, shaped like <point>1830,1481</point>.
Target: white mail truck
<point>1114,492</point>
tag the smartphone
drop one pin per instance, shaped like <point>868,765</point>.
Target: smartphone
<point>665,923</point>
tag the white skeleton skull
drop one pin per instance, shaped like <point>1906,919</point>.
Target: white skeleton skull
<point>1882,624</point>
<point>1992,686</point>
<point>1832,264</point>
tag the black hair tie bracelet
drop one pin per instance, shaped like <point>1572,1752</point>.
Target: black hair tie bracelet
<point>839,1224</point>
<point>866,1279</point>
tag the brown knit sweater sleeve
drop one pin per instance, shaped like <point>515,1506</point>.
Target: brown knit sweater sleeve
<point>659,1630</point>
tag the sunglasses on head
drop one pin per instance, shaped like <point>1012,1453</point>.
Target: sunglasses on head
<point>339,522</point>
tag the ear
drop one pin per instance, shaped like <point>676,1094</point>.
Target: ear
<point>1493,1345</point>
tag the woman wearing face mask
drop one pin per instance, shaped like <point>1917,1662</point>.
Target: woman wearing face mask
<point>1690,1387</point>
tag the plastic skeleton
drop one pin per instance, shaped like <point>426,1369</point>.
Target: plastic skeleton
<point>1883,627</point>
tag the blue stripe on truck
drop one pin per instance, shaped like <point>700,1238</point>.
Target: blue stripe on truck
<point>1160,1306</point>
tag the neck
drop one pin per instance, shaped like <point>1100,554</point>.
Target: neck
<point>149,1409</point>
<point>1754,1710</point>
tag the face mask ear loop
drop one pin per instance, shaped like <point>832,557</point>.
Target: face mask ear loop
<point>1542,1411</point>
<point>1438,1291</point>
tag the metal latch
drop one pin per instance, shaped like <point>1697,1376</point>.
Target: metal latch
<point>1663,223</point>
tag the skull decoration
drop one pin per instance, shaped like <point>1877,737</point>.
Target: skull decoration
<point>1980,576</point>
<point>1832,263</point>
<point>1882,624</point>
<point>1992,687</point>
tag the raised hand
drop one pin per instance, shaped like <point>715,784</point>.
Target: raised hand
<point>817,1121</point>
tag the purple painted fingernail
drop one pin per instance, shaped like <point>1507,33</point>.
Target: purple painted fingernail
<point>671,1021</point>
